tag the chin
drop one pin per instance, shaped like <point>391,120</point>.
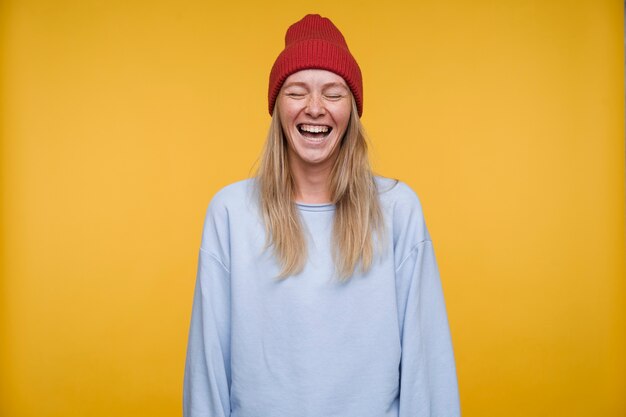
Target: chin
<point>312,159</point>
<point>315,160</point>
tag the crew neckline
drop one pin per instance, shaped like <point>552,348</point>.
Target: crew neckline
<point>315,206</point>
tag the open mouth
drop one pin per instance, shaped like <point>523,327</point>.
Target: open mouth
<point>314,131</point>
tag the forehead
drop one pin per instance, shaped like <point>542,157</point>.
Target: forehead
<point>315,78</point>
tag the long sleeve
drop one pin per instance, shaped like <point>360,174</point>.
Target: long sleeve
<point>207,367</point>
<point>428,381</point>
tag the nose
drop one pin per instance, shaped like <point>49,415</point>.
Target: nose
<point>315,105</point>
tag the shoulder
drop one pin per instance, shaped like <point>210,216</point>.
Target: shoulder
<point>235,198</point>
<point>391,189</point>
<point>403,212</point>
<point>399,198</point>
<point>233,194</point>
<point>234,201</point>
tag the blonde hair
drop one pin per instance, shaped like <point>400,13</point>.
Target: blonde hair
<point>358,221</point>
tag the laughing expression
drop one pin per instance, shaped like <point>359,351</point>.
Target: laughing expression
<point>314,108</point>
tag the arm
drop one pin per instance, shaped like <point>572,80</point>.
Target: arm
<point>428,382</point>
<point>206,389</point>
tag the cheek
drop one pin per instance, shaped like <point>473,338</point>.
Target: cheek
<point>288,109</point>
<point>286,121</point>
<point>343,110</point>
<point>343,119</point>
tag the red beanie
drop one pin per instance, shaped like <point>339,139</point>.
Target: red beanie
<point>315,42</point>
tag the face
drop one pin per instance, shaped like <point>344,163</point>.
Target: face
<point>314,108</point>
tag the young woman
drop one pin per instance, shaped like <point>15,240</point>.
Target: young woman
<point>317,293</point>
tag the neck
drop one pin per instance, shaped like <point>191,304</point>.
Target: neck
<point>312,181</point>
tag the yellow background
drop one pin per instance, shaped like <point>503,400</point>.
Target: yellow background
<point>121,119</point>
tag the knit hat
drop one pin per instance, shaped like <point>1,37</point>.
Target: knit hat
<point>315,42</point>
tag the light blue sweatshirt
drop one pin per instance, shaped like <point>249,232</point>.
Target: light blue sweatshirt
<point>310,346</point>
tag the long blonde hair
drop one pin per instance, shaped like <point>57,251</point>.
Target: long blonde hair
<point>358,220</point>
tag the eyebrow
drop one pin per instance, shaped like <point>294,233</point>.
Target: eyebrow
<point>302,84</point>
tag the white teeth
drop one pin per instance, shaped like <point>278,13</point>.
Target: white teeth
<point>314,129</point>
